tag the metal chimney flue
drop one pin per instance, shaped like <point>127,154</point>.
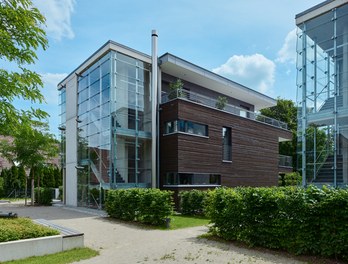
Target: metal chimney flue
<point>154,91</point>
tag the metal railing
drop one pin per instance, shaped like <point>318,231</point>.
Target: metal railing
<point>214,103</point>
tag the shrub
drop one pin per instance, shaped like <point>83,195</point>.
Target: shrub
<point>302,221</point>
<point>221,102</point>
<point>45,197</point>
<point>60,197</point>
<point>290,179</point>
<point>2,187</point>
<point>22,228</point>
<point>150,206</point>
<point>192,202</point>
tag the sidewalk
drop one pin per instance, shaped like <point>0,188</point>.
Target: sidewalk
<point>120,243</point>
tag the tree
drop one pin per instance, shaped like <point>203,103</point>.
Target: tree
<point>21,35</point>
<point>32,147</point>
<point>285,111</point>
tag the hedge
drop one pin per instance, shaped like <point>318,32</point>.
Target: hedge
<point>22,228</point>
<point>192,202</point>
<point>151,206</point>
<point>301,221</point>
<point>46,195</point>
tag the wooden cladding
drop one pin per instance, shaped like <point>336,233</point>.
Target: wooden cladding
<point>254,146</point>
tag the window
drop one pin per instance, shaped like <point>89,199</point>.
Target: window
<point>186,127</point>
<point>226,144</point>
<point>207,179</point>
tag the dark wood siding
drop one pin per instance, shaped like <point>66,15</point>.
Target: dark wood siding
<point>254,146</point>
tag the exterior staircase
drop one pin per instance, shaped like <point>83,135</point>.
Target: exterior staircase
<point>329,103</point>
<point>326,173</point>
<point>119,178</point>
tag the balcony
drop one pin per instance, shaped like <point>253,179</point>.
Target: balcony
<point>211,102</point>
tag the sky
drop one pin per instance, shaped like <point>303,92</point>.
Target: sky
<point>251,42</point>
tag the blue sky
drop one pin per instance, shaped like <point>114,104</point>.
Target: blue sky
<point>249,41</point>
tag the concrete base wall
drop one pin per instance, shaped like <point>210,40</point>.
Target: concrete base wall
<point>38,246</point>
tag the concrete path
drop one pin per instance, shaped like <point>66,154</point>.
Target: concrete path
<point>121,243</point>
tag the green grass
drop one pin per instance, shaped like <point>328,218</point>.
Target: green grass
<point>69,256</point>
<point>182,221</point>
<point>22,228</point>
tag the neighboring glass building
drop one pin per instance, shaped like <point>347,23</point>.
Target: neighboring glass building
<point>322,63</point>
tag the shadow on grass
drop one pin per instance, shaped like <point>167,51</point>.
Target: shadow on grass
<point>264,253</point>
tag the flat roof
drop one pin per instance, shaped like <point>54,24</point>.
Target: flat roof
<point>108,46</point>
<point>188,71</point>
<point>185,70</point>
<point>318,10</point>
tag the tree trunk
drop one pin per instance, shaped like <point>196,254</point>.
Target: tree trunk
<point>26,190</point>
<point>32,187</point>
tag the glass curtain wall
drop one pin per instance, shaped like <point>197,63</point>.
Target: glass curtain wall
<point>62,115</point>
<point>322,63</point>
<point>93,138</point>
<point>131,122</point>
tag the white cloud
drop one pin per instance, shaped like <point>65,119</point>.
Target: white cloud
<point>288,51</point>
<point>58,16</point>
<point>49,90</point>
<point>254,71</point>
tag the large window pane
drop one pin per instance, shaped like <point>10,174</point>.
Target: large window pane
<point>227,144</point>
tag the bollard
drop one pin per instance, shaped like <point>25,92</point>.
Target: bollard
<point>167,222</point>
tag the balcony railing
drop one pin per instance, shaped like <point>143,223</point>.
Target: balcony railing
<point>211,102</point>
<point>285,161</point>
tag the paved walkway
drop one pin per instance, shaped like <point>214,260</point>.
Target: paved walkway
<point>126,243</point>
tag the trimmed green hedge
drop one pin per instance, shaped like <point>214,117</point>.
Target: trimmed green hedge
<point>192,202</point>
<point>151,206</point>
<point>22,228</point>
<point>45,197</point>
<point>302,221</point>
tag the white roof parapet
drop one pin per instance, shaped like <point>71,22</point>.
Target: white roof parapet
<point>318,10</point>
<point>185,70</point>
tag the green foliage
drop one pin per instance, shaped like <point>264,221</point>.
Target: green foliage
<point>22,228</point>
<point>149,206</point>
<point>21,35</point>
<point>44,196</point>
<point>31,147</point>
<point>68,256</point>
<point>2,193</point>
<point>290,179</point>
<point>302,221</point>
<point>22,177</point>
<point>192,202</point>
<point>60,197</point>
<point>285,111</point>
<point>221,102</point>
<point>176,89</point>
<point>58,176</point>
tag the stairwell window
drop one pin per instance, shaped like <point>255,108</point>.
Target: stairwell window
<point>226,144</point>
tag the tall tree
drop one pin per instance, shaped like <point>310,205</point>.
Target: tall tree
<point>21,35</point>
<point>285,111</point>
<point>32,147</point>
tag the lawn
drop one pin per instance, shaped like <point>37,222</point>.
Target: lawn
<point>182,221</point>
<point>64,257</point>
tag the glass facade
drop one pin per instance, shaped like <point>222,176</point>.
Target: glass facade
<point>206,179</point>
<point>322,63</point>
<point>62,115</point>
<point>186,127</point>
<point>226,144</point>
<point>113,127</point>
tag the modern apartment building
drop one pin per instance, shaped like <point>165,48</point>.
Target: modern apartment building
<point>126,121</point>
<point>322,62</point>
